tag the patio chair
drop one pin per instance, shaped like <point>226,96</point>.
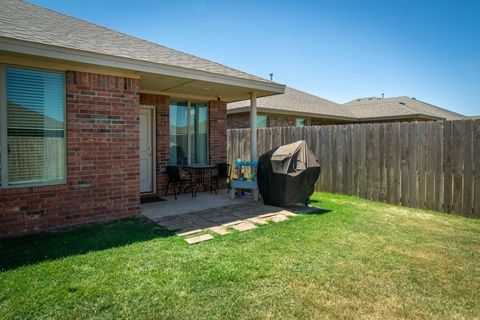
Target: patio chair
<point>176,179</point>
<point>224,171</point>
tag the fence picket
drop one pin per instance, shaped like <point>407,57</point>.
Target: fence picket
<point>447,163</point>
<point>421,131</point>
<point>439,166</point>
<point>468,169</point>
<point>476,169</point>
<point>432,165</point>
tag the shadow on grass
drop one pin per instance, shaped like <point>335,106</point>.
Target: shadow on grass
<point>315,208</point>
<point>31,249</point>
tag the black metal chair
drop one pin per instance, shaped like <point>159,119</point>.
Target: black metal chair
<point>176,179</point>
<point>224,171</point>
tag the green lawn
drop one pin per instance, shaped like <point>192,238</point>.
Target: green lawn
<point>358,259</point>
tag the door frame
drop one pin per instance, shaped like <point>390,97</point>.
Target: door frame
<point>152,109</point>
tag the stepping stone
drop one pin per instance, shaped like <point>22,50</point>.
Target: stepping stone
<point>220,230</point>
<point>198,239</point>
<point>278,218</point>
<point>267,215</point>
<point>187,233</point>
<point>288,213</point>
<point>257,221</point>
<point>244,226</point>
<point>232,223</point>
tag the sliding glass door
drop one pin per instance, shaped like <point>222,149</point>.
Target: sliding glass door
<point>188,132</point>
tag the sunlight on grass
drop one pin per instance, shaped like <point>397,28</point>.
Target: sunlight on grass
<point>360,259</point>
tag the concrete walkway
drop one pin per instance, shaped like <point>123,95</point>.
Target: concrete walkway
<point>198,218</point>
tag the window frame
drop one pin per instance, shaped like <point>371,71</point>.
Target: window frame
<point>304,122</point>
<point>266,120</point>
<point>4,183</point>
<point>189,143</point>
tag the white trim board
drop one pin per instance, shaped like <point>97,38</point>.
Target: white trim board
<point>49,51</point>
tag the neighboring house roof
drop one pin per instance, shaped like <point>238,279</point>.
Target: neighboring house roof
<point>373,107</point>
<point>363,109</point>
<point>22,21</point>
<point>37,120</point>
<point>295,102</point>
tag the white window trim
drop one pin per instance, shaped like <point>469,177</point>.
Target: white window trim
<point>4,133</point>
<point>3,127</point>
<point>189,146</point>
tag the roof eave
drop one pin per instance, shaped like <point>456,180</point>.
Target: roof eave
<point>401,117</point>
<point>68,54</point>
<point>288,112</point>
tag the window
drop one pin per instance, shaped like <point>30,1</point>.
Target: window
<point>262,121</point>
<point>300,122</point>
<point>32,127</point>
<point>188,132</point>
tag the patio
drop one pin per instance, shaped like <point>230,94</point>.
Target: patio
<point>210,213</point>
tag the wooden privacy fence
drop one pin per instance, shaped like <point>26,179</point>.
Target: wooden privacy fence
<point>428,165</point>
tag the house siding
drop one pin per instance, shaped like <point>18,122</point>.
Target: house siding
<point>102,135</point>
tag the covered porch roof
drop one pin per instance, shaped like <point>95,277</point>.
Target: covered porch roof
<point>28,29</point>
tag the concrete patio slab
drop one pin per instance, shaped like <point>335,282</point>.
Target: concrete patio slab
<point>189,216</point>
<point>185,204</point>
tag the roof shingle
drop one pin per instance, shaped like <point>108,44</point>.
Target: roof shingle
<point>24,21</point>
<point>372,107</point>
<point>297,101</point>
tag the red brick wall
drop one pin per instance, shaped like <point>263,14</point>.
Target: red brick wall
<point>238,121</point>
<point>102,161</point>
<point>242,120</point>
<point>217,134</point>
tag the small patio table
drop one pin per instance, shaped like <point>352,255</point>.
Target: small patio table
<point>202,171</point>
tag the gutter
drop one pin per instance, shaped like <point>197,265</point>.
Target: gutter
<point>62,53</point>
<point>287,112</point>
<point>332,117</point>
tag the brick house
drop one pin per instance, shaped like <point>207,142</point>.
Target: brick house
<point>298,108</point>
<point>90,117</point>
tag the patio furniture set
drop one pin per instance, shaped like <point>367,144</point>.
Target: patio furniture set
<point>191,177</point>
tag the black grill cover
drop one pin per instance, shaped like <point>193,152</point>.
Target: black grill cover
<point>287,174</point>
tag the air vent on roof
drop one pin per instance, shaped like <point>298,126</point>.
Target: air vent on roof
<point>414,98</point>
<point>402,103</point>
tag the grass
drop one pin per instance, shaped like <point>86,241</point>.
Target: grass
<point>361,259</point>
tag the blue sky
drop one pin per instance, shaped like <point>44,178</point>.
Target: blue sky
<point>338,50</point>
